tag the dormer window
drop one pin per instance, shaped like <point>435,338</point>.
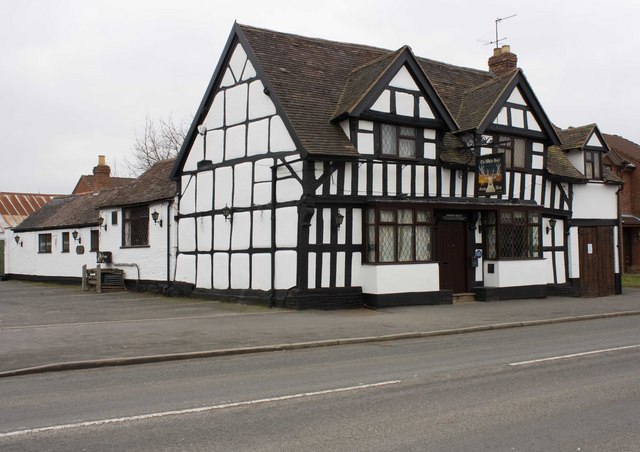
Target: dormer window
<point>592,164</point>
<point>397,141</point>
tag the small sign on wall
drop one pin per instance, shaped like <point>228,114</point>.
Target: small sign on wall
<point>490,174</point>
<point>589,248</point>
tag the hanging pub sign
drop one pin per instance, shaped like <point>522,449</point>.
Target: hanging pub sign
<point>490,174</point>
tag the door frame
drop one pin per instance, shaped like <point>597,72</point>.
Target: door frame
<point>469,219</point>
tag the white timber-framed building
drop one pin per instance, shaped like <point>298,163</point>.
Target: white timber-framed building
<point>321,174</point>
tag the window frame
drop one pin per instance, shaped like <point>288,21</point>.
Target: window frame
<point>503,229</point>
<point>590,162</point>
<point>66,242</point>
<point>379,143</point>
<point>94,242</point>
<point>509,149</point>
<point>44,245</point>
<point>128,220</point>
<point>376,223</point>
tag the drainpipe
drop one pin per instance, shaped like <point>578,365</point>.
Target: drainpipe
<point>272,297</point>
<point>620,248</point>
<point>169,244</point>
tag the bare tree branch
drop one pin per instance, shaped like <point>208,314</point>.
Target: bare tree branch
<point>161,139</point>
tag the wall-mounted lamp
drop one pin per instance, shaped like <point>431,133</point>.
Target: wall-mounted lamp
<point>226,213</point>
<point>339,219</point>
<point>74,234</point>
<point>552,225</point>
<point>102,223</point>
<point>17,239</point>
<point>154,216</point>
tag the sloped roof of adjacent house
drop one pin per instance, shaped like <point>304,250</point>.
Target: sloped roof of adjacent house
<point>16,207</point>
<point>75,211</point>
<point>153,185</point>
<point>88,183</point>
<point>70,211</point>
<point>575,137</point>
<point>622,148</point>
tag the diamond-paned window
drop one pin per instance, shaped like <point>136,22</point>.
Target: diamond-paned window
<point>516,151</point>
<point>397,141</point>
<point>516,234</point>
<point>398,235</point>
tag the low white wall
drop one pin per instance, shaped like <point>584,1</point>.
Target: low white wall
<point>514,273</point>
<point>386,279</point>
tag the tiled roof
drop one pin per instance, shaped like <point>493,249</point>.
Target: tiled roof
<point>575,137</point>
<point>89,181</point>
<point>15,207</point>
<point>478,102</point>
<point>64,212</point>
<point>361,80</point>
<point>309,77</point>
<point>559,165</point>
<point>153,185</point>
<point>626,149</point>
<point>82,210</point>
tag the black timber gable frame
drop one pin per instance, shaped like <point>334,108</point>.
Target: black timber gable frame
<point>406,57</point>
<point>236,37</point>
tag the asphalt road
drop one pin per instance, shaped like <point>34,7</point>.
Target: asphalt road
<point>468,392</point>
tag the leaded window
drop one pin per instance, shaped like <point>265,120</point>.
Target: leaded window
<point>397,141</point>
<point>44,243</point>
<point>516,151</point>
<point>511,234</point>
<point>592,164</point>
<point>395,235</point>
<point>135,226</point>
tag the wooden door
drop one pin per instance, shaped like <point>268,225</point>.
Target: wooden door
<point>596,261</point>
<point>452,256</point>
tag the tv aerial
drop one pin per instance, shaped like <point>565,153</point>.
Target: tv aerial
<point>498,39</point>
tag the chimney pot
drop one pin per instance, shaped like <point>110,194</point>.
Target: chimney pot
<point>502,61</point>
<point>101,160</point>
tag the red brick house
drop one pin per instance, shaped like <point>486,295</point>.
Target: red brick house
<point>623,159</point>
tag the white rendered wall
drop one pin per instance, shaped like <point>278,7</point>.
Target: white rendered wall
<point>151,260</point>
<point>595,201</point>
<point>26,260</point>
<point>514,273</point>
<point>386,279</point>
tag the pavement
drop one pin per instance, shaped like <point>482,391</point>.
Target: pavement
<point>50,327</point>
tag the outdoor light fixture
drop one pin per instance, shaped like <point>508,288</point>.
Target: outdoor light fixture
<point>339,219</point>
<point>226,213</point>
<point>552,225</point>
<point>155,216</point>
<point>202,130</point>
<point>17,239</point>
<point>74,234</point>
<point>102,223</point>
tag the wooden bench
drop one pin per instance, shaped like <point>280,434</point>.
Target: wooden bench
<point>102,279</point>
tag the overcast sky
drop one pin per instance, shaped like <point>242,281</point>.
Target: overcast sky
<point>77,78</point>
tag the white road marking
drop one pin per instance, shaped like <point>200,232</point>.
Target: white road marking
<point>203,409</point>
<point>574,355</point>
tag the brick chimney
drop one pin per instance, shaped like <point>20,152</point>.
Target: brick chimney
<point>102,174</point>
<point>503,61</point>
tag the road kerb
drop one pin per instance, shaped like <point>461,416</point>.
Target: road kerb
<point>129,361</point>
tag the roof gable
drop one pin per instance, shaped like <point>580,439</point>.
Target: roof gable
<point>365,85</point>
<point>482,106</point>
<point>581,137</point>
